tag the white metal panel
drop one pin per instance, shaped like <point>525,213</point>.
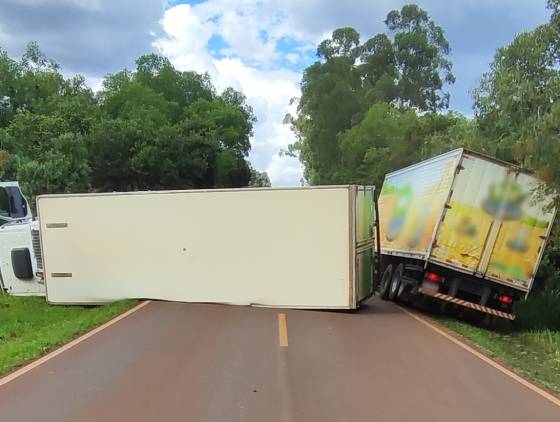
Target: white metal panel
<point>411,204</point>
<point>524,229</point>
<point>15,236</point>
<point>495,226</point>
<point>463,233</point>
<point>275,247</point>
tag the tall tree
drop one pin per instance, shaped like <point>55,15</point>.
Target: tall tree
<point>408,66</point>
<point>421,51</point>
<point>517,100</point>
<point>151,128</point>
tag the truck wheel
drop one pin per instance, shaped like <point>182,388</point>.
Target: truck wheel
<point>395,282</point>
<point>385,282</point>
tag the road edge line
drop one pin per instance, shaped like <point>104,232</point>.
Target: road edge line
<point>546,395</point>
<point>19,372</point>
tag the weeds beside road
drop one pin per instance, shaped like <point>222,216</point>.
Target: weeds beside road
<point>30,327</point>
<point>534,354</point>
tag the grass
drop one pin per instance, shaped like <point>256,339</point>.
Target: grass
<point>29,327</point>
<point>534,354</point>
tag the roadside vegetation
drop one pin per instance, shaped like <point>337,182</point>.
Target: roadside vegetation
<point>534,354</point>
<point>150,128</point>
<point>30,327</point>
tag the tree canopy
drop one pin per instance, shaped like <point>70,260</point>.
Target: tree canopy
<point>405,68</point>
<point>151,128</point>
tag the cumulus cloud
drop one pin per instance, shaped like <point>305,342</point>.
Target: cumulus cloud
<point>92,37</point>
<point>247,64</point>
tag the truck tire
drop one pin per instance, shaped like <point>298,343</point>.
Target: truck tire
<point>395,284</point>
<point>385,282</point>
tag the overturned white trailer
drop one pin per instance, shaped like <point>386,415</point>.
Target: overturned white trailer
<point>307,247</point>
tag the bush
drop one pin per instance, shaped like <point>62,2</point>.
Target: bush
<point>541,310</point>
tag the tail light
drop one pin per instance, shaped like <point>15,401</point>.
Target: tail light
<point>433,277</point>
<point>505,299</point>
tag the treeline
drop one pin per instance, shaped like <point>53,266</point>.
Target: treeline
<point>151,128</point>
<point>367,108</point>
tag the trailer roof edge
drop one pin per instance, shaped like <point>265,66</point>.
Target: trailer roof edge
<point>144,192</point>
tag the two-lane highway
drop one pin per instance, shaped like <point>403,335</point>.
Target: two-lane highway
<point>198,362</point>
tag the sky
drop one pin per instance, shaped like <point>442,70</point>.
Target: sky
<point>259,47</point>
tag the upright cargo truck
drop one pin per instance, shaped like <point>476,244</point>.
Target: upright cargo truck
<point>462,228</point>
<point>297,248</point>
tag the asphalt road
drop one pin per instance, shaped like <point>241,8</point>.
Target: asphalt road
<point>196,362</point>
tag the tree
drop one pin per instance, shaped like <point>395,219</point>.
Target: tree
<point>330,99</point>
<point>259,179</point>
<point>175,158</point>
<point>389,138</point>
<point>343,43</point>
<point>516,102</point>
<point>421,51</point>
<point>378,144</point>
<point>151,128</point>
<point>408,67</point>
<point>63,168</point>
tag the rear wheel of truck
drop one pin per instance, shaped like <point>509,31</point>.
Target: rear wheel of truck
<point>385,282</point>
<point>395,282</point>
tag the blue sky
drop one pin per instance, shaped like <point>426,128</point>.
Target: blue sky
<point>259,47</point>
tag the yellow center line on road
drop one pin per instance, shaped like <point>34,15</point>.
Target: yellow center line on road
<point>282,330</point>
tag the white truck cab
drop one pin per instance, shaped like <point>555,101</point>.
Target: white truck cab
<point>21,269</point>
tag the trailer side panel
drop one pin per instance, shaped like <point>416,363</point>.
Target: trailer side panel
<point>268,247</point>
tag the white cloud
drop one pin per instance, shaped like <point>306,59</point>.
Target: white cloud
<point>242,33</point>
<point>92,37</point>
<point>293,58</point>
<point>186,39</point>
<point>284,171</point>
<point>94,82</point>
<point>248,67</point>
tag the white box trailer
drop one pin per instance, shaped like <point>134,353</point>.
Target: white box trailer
<point>309,247</point>
<point>464,228</point>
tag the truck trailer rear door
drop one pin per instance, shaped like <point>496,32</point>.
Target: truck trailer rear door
<point>469,218</point>
<point>365,241</point>
<point>524,225</point>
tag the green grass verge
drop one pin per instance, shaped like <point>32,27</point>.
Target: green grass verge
<point>29,327</point>
<point>534,355</point>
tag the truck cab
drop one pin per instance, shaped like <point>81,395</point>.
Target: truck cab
<point>21,269</point>
<point>13,205</point>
